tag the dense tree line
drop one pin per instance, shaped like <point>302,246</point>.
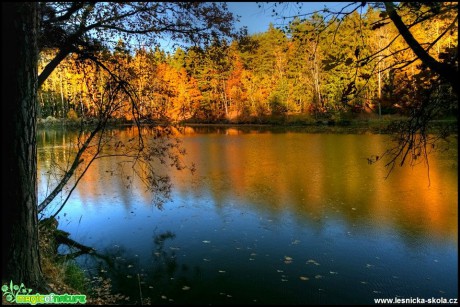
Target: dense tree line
<point>318,66</point>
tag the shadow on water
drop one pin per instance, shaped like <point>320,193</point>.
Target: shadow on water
<point>161,278</point>
<point>154,280</point>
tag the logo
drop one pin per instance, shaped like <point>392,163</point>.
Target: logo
<point>21,295</point>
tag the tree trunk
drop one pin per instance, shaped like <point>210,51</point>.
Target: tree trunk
<point>21,258</point>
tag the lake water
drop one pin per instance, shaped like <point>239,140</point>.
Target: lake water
<point>270,217</point>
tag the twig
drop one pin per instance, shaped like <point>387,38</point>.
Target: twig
<point>140,290</point>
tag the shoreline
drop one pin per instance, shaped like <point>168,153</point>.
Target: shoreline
<point>358,126</point>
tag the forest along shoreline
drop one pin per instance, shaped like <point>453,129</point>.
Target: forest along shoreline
<point>363,124</point>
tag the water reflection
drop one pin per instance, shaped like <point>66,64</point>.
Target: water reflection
<point>258,197</point>
<point>315,176</point>
<point>312,176</point>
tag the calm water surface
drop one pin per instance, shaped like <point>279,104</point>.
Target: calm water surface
<point>270,218</point>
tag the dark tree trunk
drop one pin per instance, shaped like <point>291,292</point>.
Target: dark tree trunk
<point>20,256</point>
<point>447,72</point>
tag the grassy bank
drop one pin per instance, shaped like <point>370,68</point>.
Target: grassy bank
<point>63,275</point>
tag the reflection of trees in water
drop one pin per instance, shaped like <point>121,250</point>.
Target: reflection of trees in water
<point>315,177</point>
<point>63,161</point>
<point>166,259</point>
<point>159,280</point>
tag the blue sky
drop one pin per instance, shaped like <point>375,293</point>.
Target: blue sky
<point>257,19</point>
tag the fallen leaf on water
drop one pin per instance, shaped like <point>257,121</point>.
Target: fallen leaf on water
<point>304,278</point>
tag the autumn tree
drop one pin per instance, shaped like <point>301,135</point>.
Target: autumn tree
<point>214,76</point>
<point>84,29</point>
<point>432,90</point>
<point>413,141</point>
<point>235,91</point>
<point>307,68</point>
